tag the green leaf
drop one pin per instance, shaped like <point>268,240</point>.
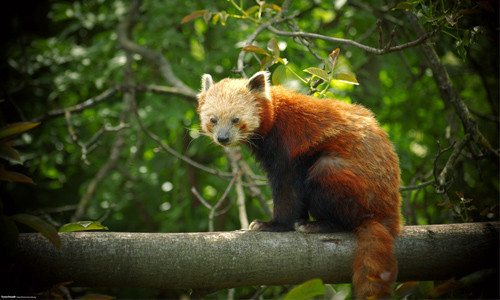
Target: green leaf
<point>82,225</point>
<point>193,16</point>
<point>9,153</point>
<point>332,59</point>
<point>15,128</point>
<point>14,176</point>
<point>279,75</point>
<point>272,6</point>
<point>272,46</point>
<point>252,9</point>
<point>266,62</point>
<point>306,290</point>
<point>404,6</point>
<point>223,17</point>
<point>347,78</point>
<point>318,73</point>
<point>255,49</point>
<point>216,18</point>
<point>329,95</point>
<point>41,226</point>
<point>207,16</point>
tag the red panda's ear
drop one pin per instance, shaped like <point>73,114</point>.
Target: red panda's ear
<point>206,82</point>
<point>259,84</point>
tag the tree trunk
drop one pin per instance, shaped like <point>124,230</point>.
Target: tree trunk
<point>246,258</point>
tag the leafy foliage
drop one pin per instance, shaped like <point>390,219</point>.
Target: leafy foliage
<point>65,54</point>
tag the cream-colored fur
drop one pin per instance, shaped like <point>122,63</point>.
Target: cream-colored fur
<point>230,107</point>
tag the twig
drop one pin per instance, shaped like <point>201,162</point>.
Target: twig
<point>380,34</point>
<point>213,209</point>
<point>438,155</point>
<point>175,153</point>
<point>417,187</point>
<point>240,66</point>
<point>127,99</point>
<point>153,57</point>
<point>234,156</point>
<point>391,38</point>
<point>450,95</point>
<point>74,138</point>
<point>161,89</point>
<point>441,179</point>
<point>107,94</point>
<point>200,198</point>
<point>101,174</point>
<point>368,49</point>
<point>303,41</point>
<point>219,203</point>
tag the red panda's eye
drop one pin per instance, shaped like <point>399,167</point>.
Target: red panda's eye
<point>235,120</point>
<point>213,121</point>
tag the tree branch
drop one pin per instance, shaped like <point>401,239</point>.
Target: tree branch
<point>175,153</point>
<point>107,94</point>
<point>450,95</point>
<point>240,67</point>
<point>246,258</point>
<point>153,57</point>
<point>114,154</point>
<point>368,49</point>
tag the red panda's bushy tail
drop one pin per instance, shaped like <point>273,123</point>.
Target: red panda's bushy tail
<point>375,267</point>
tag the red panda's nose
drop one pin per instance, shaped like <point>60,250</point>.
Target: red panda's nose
<point>223,137</point>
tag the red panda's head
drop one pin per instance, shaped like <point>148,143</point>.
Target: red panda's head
<point>230,110</point>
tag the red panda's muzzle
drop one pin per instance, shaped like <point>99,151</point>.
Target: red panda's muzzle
<point>223,137</point>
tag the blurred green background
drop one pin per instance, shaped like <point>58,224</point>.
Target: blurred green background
<point>58,54</point>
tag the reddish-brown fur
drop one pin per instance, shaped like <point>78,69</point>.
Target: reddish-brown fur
<point>324,158</point>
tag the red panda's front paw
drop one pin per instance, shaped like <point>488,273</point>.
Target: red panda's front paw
<point>316,226</point>
<point>258,225</point>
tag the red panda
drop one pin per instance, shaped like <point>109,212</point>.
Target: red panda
<point>324,158</point>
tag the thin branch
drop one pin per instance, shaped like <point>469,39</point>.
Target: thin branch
<point>164,65</point>
<point>442,178</point>
<point>239,63</point>
<point>303,41</point>
<point>161,89</point>
<point>74,138</point>
<point>391,38</point>
<point>175,153</point>
<point>234,156</point>
<point>152,56</point>
<point>229,186</point>
<point>213,208</point>
<point>438,155</point>
<point>240,66</point>
<point>417,187</point>
<point>128,99</point>
<point>450,95</point>
<point>201,199</point>
<point>368,49</point>
<point>106,95</point>
<point>101,174</point>
<point>380,34</point>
